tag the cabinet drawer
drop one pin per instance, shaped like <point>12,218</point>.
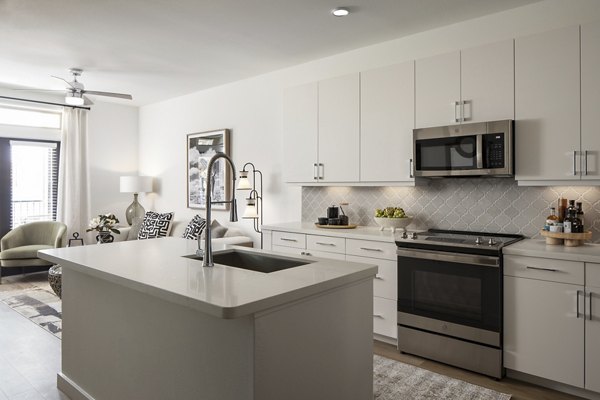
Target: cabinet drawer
<point>384,317</point>
<point>544,269</point>
<point>288,239</point>
<point>326,243</point>
<point>592,274</point>
<point>287,250</point>
<point>385,283</point>
<point>324,254</point>
<point>370,248</point>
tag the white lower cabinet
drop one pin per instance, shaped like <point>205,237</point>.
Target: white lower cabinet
<point>592,327</point>
<point>552,319</point>
<point>542,334</point>
<point>382,254</point>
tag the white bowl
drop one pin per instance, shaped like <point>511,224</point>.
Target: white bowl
<point>393,223</point>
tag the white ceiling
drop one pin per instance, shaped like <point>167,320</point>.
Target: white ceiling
<point>159,49</point>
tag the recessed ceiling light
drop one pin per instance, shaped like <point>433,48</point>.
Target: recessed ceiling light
<point>340,12</point>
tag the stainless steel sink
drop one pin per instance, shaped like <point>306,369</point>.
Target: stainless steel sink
<point>253,261</point>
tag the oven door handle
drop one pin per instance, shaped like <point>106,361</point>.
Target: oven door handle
<point>473,259</point>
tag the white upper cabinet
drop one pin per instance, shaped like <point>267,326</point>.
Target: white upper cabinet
<point>547,105</point>
<point>437,94</point>
<point>387,119</point>
<point>473,85</point>
<point>487,82</point>
<point>590,100</point>
<point>300,132</point>
<point>339,130</point>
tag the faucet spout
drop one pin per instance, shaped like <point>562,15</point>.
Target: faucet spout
<point>207,256</point>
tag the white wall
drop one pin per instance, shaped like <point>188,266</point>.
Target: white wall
<point>252,108</point>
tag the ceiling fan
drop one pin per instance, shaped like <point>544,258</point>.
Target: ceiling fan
<point>76,90</point>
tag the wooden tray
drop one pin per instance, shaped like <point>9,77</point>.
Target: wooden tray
<point>569,239</point>
<point>349,226</point>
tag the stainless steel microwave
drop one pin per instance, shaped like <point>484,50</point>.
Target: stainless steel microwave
<point>477,149</point>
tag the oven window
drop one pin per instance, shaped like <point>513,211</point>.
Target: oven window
<point>451,295</point>
<point>446,153</point>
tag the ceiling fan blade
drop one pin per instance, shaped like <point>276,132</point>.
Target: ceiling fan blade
<point>41,90</point>
<point>109,94</point>
<point>87,101</point>
<point>64,80</point>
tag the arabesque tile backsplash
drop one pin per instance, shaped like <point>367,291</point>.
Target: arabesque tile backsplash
<point>486,205</point>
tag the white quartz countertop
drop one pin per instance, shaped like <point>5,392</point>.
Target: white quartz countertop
<point>156,267</point>
<point>360,232</point>
<point>539,248</point>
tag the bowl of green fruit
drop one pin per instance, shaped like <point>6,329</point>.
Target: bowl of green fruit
<point>393,218</point>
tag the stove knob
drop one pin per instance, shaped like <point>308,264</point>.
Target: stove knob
<point>478,240</point>
<point>414,236</point>
<point>404,235</point>
<point>492,242</point>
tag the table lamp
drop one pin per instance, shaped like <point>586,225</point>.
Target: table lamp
<point>135,185</point>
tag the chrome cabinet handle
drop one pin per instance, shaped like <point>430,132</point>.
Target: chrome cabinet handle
<point>590,307</point>
<point>542,269</point>
<point>304,253</point>
<point>465,103</point>
<point>315,171</point>
<point>378,277</point>
<point>371,249</point>
<point>377,316</point>
<point>577,299</point>
<point>325,244</point>
<point>574,162</point>
<point>288,240</point>
<point>456,104</point>
<point>585,153</point>
<point>411,167</point>
<point>321,171</point>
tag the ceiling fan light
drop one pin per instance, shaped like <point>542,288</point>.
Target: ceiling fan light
<point>74,101</point>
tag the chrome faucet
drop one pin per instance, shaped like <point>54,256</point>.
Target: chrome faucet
<point>206,254</point>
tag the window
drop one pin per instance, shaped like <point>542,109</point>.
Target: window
<point>30,117</point>
<point>28,181</point>
<point>34,181</point>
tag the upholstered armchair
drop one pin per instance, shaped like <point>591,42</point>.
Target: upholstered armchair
<point>19,247</point>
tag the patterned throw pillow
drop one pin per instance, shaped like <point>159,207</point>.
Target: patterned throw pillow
<point>194,228</point>
<point>155,225</point>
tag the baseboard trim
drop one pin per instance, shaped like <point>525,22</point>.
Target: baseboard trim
<point>560,387</point>
<point>385,339</point>
<point>71,389</point>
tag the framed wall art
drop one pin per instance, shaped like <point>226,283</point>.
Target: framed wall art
<point>201,147</point>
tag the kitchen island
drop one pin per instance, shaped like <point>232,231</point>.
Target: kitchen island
<point>141,321</point>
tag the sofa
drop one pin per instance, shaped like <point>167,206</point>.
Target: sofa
<point>230,235</point>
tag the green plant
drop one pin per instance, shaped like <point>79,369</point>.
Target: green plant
<point>390,212</point>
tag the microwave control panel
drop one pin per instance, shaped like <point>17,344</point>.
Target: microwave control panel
<point>493,150</point>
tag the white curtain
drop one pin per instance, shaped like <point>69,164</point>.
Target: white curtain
<point>73,176</point>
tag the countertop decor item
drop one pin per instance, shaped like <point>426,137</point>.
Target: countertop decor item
<point>393,223</point>
<point>201,147</point>
<point>76,240</point>
<point>104,224</point>
<point>254,202</point>
<point>349,226</point>
<point>569,239</point>
<point>135,185</point>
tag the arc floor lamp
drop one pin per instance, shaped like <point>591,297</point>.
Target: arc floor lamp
<point>254,201</point>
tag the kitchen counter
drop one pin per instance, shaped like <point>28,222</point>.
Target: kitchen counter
<point>360,232</point>
<point>221,291</point>
<point>140,321</point>
<point>539,248</point>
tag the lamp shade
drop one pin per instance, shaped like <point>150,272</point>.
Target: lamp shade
<point>251,211</point>
<point>244,183</point>
<point>136,184</point>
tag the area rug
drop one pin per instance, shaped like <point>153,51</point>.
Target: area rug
<point>39,306</point>
<point>393,380</point>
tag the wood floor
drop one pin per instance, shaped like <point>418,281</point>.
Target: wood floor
<point>30,358</point>
<point>519,390</point>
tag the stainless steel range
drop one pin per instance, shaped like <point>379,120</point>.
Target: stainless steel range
<point>450,297</point>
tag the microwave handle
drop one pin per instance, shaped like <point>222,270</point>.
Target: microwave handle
<point>479,145</point>
<point>411,169</point>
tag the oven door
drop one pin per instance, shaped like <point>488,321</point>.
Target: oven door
<point>455,294</point>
